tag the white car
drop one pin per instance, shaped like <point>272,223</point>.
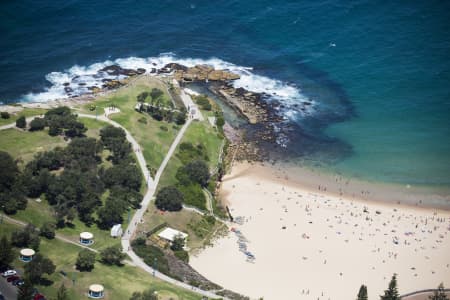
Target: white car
<point>9,273</point>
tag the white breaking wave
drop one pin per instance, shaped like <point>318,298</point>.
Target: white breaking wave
<point>76,80</point>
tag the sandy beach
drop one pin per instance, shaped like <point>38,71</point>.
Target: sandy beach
<point>310,244</point>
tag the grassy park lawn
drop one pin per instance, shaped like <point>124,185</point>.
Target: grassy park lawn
<point>197,132</point>
<point>27,112</point>
<point>119,282</point>
<point>22,145</point>
<point>155,142</point>
<point>190,222</point>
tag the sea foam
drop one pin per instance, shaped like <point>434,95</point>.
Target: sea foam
<point>75,80</point>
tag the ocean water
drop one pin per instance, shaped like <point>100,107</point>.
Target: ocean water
<point>377,73</point>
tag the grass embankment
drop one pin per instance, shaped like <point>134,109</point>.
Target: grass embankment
<point>197,133</point>
<point>119,282</point>
<point>199,229</point>
<point>27,112</point>
<point>155,137</point>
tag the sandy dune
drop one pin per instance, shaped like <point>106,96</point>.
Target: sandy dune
<point>315,246</point>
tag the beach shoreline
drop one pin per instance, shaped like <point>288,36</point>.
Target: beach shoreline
<point>316,244</point>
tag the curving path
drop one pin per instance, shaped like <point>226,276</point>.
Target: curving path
<point>152,184</point>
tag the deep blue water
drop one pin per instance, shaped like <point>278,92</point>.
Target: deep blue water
<point>377,71</point>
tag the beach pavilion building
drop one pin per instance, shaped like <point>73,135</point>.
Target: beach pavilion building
<point>96,291</point>
<point>26,255</point>
<point>169,235</point>
<point>86,238</point>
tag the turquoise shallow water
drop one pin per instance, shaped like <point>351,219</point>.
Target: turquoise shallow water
<point>378,72</point>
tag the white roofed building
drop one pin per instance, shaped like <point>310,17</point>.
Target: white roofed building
<point>169,234</point>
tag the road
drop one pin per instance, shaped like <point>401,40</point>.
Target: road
<point>7,289</point>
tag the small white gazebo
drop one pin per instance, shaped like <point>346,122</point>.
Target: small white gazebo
<point>96,291</point>
<point>86,238</point>
<point>26,255</point>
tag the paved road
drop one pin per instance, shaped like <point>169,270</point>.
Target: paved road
<point>7,289</point>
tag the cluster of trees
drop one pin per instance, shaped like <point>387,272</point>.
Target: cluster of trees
<point>59,120</point>
<point>28,237</point>
<point>12,192</point>
<point>4,115</point>
<point>192,177</point>
<point>156,108</point>
<point>391,293</point>
<point>161,114</point>
<point>76,191</point>
<point>155,96</point>
<point>7,253</point>
<point>110,256</point>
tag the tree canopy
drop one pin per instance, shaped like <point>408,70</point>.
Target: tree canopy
<point>362,294</point>
<point>35,269</point>
<point>6,252</point>
<point>85,260</point>
<point>169,198</point>
<point>112,256</point>
<point>392,292</point>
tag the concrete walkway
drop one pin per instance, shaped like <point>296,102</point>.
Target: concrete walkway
<point>152,184</point>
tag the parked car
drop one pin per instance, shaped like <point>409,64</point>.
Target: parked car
<point>9,273</point>
<point>39,297</point>
<point>12,278</point>
<point>18,282</point>
<point>2,297</point>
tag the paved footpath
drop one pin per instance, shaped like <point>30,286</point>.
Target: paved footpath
<point>152,184</point>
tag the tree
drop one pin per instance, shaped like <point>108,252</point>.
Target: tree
<point>37,124</point>
<point>6,252</point>
<point>156,93</point>
<point>27,237</point>
<point>39,266</point>
<point>169,198</point>
<point>112,256</point>
<point>21,122</point>
<point>112,212</point>
<point>177,244</point>
<point>4,115</point>
<point>48,230</point>
<point>26,291</point>
<point>362,294</point>
<point>142,96</point>
<point>180,118</point>
<point>439,294</point>
<point>12,192</point>
<point>196,171</point>
<point>62,293</point>
<point>145,295</point>
<point>85,260</point>
<point>392,292</point>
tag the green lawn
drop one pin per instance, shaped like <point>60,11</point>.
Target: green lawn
<point>183,220</point>
<point>27,112</point>
<point>119,282</point>
<point>197,132</point>
<point>23,145</point>
<point>155,142</point>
